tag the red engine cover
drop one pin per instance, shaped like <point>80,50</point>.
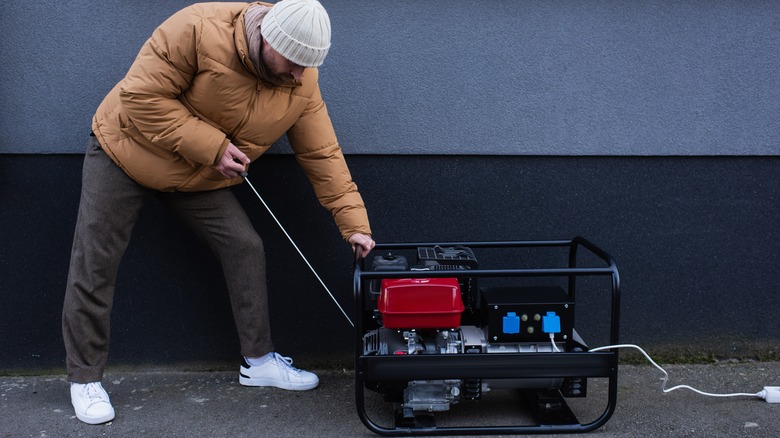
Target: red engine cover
<point>423,303</point>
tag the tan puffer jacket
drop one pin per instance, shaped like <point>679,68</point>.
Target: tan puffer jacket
<point>193,89</point>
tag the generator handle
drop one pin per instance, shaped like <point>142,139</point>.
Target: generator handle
<point>577,241</point>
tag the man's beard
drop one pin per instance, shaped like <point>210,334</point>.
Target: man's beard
<point>269,75</point>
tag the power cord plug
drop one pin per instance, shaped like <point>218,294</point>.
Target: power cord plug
<point>771,394</point>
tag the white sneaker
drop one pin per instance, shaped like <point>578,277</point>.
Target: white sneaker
<point>91,402</point>
<point>277,371</point>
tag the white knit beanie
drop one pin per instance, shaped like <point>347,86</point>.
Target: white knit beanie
<point>299,30</point>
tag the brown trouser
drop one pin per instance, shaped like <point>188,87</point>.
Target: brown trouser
<point>110,202</point>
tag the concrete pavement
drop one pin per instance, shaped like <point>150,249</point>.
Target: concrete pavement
<point>171,403</point>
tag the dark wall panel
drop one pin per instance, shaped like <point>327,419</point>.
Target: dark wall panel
<point>696,240</point>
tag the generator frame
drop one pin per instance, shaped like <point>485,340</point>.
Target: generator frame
<point>569,364</point>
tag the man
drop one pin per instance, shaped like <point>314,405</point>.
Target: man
<point>210,91</point>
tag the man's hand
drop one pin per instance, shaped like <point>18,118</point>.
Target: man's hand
<point>364,241</point>
<point>232,162</point>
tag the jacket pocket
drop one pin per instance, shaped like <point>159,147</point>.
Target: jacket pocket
<point>211,174</point>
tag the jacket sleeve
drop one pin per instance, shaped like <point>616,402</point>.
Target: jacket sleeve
<point>316,148</point>
<point>163,69</point>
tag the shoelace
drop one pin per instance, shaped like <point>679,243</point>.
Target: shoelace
<point>93,393</point>
<point>287,361</point>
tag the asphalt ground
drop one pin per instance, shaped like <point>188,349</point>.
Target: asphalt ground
<point>170,403</point>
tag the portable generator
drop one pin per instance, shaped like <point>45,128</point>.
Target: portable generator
<point>446,324</point>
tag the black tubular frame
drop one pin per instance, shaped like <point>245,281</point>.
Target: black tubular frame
<point>603,364</point>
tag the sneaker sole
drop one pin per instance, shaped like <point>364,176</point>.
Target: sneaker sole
<point>248,381</point>
<point>96,420</point>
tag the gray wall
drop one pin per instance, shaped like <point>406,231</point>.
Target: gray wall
<point>530,77</point>
<point>649,127</point>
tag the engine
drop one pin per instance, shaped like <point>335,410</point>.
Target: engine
<point>454,316</point>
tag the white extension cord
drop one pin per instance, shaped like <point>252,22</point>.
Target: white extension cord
<point>770,393</point>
